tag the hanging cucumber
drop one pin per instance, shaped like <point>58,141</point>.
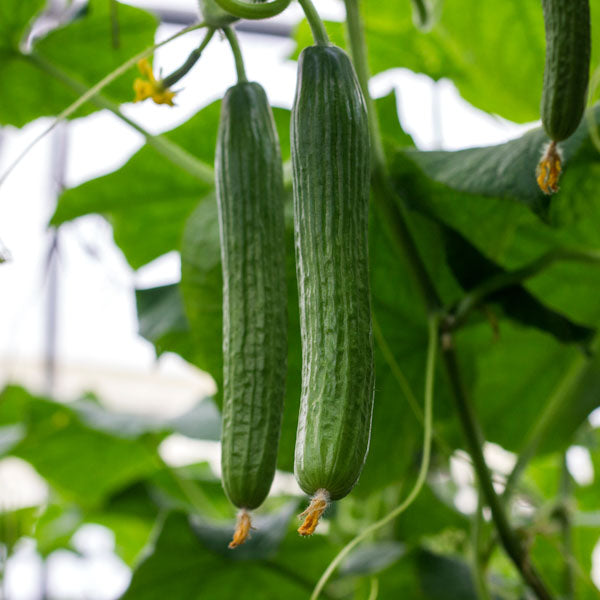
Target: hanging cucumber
<point>566,76</point>
<point>331,170</point>
<point>249,178</point>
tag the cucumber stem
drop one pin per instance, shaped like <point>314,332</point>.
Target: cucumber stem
<point>190,61</point>
<point>237,54</point>
<point>242,529</point>
<point>316,24</point>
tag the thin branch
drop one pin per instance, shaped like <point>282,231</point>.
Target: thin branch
<point>566,529</point>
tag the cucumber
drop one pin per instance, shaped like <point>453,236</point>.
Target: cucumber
<point>331,181</point>
<point>566,74</point>
<point>566,78</point>
<point>250,196</point>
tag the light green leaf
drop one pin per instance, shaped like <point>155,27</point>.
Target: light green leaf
<point>15,15</point>
<point>82,49</point>
<point>82,463</point>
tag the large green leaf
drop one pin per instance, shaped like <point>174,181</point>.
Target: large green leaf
<point>471,269</point>
<point>505,170</point>
<point>82,49</point>
<point>476,44</point>
<point>182,566</point>
<point>81,462</point>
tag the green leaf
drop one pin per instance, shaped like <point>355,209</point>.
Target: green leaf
<point>444,577</point>
<point>82,49</point>
<point>181,566</point>
<point>504,171</point>
<point>15,524</point>
<point>162,321</point>
<point>81,462</point>
<point>63,46</point>
<point>146,201</point>
<point>372,558</point>
<point>15,15</point>
<point>471,269</point>
<point>202,285</point>
<point>389,123</point>
<point>506,232</point>
<point>202,421</point>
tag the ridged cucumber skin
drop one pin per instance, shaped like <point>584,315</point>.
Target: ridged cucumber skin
<point>250,197</point>
<point>566,74</point>
<point>330,175</point>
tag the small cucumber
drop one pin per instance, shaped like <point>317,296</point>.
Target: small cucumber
<point>566,73</point>
<point>250,195</point>
<point>331,182</point>
<point>566,77</point>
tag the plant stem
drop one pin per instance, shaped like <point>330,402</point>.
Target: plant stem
<point>424,468</point>
<point>374,589</point>
<point>237,54</point>
<point>173,152</point>
<point>475,441</point>
<point>190,61</point>
<point>114,24</point>
<point>565,526</point>
<point>358,50</point>
<point>476,542</point>
<point>316,24</point>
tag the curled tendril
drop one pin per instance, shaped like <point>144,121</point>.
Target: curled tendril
<point>246,10</point>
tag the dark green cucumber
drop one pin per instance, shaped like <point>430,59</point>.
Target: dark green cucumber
<point>331,169</point>
<point>250,197</point>
<point>566,73</point>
